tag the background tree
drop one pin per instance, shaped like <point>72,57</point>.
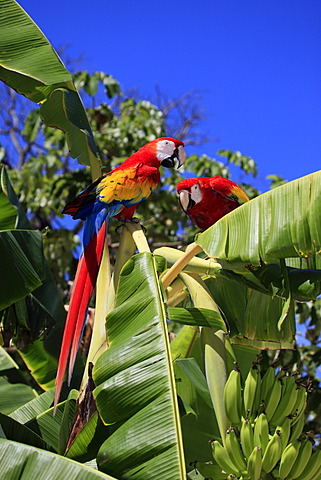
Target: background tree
<point>47,177</point>
<point>122,124</point>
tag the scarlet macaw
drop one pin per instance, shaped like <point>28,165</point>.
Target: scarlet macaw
<point>115,194</point>
<point>207,199</point>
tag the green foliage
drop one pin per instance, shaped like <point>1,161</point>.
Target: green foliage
<point>48,177</point>
<point>276,180</point>
<point>237,158</point>
<point>133,387</point>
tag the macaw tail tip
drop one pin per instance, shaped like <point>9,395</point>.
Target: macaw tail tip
<point>56,398</point>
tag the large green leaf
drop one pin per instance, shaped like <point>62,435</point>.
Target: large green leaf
<point>19,462</point>
<point>12,215</point>
<point>253,317</point>
<point>41,308</point>
<point>135,382</point>
<point>14,430</point>
<point>8,213</point>
<point>22,264</point>
<point>30,410</point>
<point>88,441</point>
<point>198,423</point>
<point>282,223</point>
<point>49,426</point>
<point>193,372</point>
<point>30,65</point>
<point>28,62</point>
<point>13,390</point>
<point>203,317</point>
<point>14,395</point>
<point>6,362</point>
<point>64,110</point>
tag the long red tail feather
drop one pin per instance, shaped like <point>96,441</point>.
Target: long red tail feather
<point>84,284</point>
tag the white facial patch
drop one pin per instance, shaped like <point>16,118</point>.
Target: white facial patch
<point>196,193</point>
<point>165,149</point>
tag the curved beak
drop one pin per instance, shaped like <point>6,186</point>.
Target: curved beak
<point>185,200</point>
<point>179,154</point>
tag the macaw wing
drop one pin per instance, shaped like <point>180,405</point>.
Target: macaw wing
<point>229,190</point>
<point>238,195</point>
<point>85,199</point>
<point>124,186</point>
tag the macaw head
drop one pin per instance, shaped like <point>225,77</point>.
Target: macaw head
<point>189,193</point>
<point>167,150</point>
<point>207,199</point>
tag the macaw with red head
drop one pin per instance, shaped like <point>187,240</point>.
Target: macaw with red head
<point>115,194</point>
<point>207,199</point>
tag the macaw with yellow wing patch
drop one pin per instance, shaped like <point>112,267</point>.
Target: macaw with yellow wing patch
<point>115,194</point>
<point>207,199</point>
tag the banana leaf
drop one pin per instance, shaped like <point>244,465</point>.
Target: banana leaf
<point>29,299</point>
<point>284,223</point>
<point>22,264</point>
<point>203,317</point>
<point>28,411</point>
<point>198,419</point>
<point>19,461</point>
<point>253,317</point>
<point>14,395</point>
<point>30,65</point>
<point>14,392</point>
<point>135,384</point>
<point>14,430</point>
<point>51,428</point>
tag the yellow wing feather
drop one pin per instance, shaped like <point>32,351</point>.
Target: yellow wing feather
<point>125,185</point>
<point>238,194</point>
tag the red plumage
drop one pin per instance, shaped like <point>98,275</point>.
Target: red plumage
<point>207,199</point>
<point>115,194</point>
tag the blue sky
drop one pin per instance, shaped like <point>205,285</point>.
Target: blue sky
<point>258,64</point>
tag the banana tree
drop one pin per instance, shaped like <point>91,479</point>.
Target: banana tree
<point>233,290</point>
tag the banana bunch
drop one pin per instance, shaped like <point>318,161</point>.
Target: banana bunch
<point>265,436</point>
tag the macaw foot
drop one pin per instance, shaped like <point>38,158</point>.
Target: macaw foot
<point>129,220</point>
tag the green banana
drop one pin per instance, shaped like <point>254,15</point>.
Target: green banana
<point>222,458</point>
<point>247,437</point>
<point>285,430</point>
<point>273,399</point>
<point>302,459</point>
<point>254,464</point>
<point>233,448</point>
<point>252,383</point>
<point>288,458</point>
<point>312,468</point>
<point>257,403</point>
<point>268,380</point>
<point>261,432</point>
<point>272,453</point>
<point>316,476</point>
<point>233,397</point>
<point>257,431</point>
<point>297,428</point>
<point>287,401</point>
<point>300,404</point>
